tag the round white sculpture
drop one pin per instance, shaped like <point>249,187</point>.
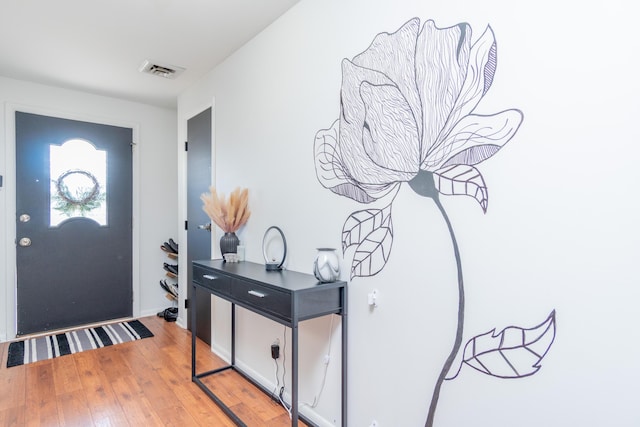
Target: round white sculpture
<point>326,266</point>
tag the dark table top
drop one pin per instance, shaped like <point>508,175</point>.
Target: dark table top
<point>284,279</point>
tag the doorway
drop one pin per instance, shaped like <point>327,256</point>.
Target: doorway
<point>73,222</point>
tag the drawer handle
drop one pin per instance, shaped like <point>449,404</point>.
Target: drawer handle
<point>209,276</point>
<point>257,294</point>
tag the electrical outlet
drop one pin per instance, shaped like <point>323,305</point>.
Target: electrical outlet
<point>275,351</point>
<point>372,298</point>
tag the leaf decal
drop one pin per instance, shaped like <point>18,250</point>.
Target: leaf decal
<point>372,254</point>
<point>362,223</point>
<point>462,179</point>
<point>372,231</point>
<point>513,353</point>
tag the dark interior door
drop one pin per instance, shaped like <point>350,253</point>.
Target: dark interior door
<point>73,225</point>
<point>199,239</point>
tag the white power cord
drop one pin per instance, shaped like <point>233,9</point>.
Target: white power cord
<point>327,359</point>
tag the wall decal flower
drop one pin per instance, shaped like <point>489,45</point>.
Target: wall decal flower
<point>407,115</point>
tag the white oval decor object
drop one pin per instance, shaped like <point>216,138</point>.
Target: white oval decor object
<point>326,266</point>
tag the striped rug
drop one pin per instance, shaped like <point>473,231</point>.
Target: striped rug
<point>50,346</point>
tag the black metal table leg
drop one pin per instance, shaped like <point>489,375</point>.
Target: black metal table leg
<point>192,314</point>
<point>345,328</point>
<point>294,375</point>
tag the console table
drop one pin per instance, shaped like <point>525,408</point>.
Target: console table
<point>286,297</point>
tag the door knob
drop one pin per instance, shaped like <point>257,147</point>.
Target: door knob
<point>25,218</point>
<point>205,227</point>
<point>25,241</point>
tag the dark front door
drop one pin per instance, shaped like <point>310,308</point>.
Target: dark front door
<point>199,239</point>
<point>73,222</point>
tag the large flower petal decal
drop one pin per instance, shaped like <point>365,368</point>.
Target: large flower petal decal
<point>408,115</point>
<point>407,105</point>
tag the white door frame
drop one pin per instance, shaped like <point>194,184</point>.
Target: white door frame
<point>9,187</point>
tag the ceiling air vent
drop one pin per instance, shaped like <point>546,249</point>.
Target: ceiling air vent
<point>160,70</point>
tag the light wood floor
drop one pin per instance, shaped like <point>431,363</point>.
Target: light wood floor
<point>141,383</point>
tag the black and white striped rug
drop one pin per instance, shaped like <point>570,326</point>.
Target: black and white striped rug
<point>50,346</point>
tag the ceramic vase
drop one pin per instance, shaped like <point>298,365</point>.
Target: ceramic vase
<point>326,266</point>
<point>229,243</point>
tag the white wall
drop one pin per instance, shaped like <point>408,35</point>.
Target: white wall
<point>560,232</point>
<point>155,182</point>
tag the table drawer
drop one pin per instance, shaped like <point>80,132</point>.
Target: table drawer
<point>213,281</point>
<point>263,298</point>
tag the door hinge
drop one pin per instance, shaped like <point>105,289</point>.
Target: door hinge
<point>186,146</point>
<point>186,304</point>
<point>186,225</point>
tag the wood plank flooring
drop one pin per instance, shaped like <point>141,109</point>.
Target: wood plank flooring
<point>140,383</point>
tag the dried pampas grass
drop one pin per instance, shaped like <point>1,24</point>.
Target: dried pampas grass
<point>230,214</point>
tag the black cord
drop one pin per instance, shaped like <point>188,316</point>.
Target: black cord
<point>277,384</point>
<point>284,354</point>
<point>284,370</point>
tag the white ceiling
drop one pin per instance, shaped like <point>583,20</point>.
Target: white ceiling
<point>97,46</point>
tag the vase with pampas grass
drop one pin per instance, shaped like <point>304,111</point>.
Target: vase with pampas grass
<point>228,214</point>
